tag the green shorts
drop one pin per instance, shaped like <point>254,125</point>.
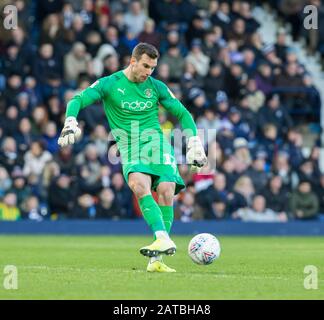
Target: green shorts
<point>159,163</point>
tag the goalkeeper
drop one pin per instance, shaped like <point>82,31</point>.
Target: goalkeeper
<point>131,98</point>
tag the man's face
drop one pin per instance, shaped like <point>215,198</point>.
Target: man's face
<point>143,67</point>
<point>259,204</point>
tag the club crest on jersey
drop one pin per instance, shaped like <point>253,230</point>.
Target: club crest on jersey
<point>148,93</point>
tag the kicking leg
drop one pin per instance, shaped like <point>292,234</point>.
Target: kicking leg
<point>165,192</point>
<point>140,184</point>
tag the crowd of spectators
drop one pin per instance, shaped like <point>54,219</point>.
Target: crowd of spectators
<point>254,94</point>
<point>296,12</point>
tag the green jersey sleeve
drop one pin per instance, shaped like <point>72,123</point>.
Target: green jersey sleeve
<point>176,108</point>
<point>96,92</point>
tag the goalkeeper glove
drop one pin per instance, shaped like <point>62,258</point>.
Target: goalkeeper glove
<point>70,133</point>
<point>196,156</point>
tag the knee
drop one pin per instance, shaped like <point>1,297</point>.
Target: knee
<point>139,188</point>
<point>165,195</point>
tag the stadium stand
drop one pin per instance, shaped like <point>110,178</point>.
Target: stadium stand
<point>247,69</point>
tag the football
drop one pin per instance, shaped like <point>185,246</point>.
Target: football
<point>204,248</point>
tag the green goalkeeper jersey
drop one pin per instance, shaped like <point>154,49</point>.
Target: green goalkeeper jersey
<point>132,112</point>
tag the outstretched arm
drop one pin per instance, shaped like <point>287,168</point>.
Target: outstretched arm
<point>196,156</point>
<point>71,132</point>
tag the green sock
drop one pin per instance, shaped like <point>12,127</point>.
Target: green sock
<point>168,215</point>
<point>152,213</point>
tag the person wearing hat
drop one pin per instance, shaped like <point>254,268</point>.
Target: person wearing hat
<point>222,104</point>
<point>269,54</point>
<point>242,154</point>
<point>241,127</point>
<point>198,102</point>
<point>257,171</point>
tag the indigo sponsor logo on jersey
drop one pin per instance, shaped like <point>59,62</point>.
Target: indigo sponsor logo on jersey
<point>137,105</point>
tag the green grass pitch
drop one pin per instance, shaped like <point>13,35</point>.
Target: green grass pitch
<point>110,267</point>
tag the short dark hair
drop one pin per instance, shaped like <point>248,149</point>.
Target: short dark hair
<point>145,48</point>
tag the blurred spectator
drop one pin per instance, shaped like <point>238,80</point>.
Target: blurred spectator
<point>107,208</point>
<point>173,38</point>
<point>10,121</point>
<point>190,78</point>
<point>135,18</point>
<point>8,208</point>
<point>35,159</point>
<point>228,168</point>
<point>32,209</point>
<point>245,13</point>
<point>270,141</point>
<point>175,62</point>
<point>61,197</point>
<point>210,123</point>
<point>13,87</point>
<point>66,161</point>
<point>98,63</point>
<point>10,157</point>
<point>77,62</point>
<point>241,128</point>
<point>264,78</point>
<point>304,203</point>
<point>46,64</point>
<point>20,188</point>
<point>274,113</point>
<point>50,137</point>
<point>245,189</point>
<point>196,30</point>
<point>112,38</point>
<point>319,189</point>
<point>291,83</point>
<point>259,212</point>
<point>255,97</point>
<point>294,146</point>
<point>257,171</point>
<point>123,195</point>
<point>235,80</point>
<point>307,172</point>
<point>110,65</point>
<point>197,58</point>
<point>149,35</point>
<point>89,170</point>
<point>5,181</point>
<point>282,167</point>
<point>237,32</point>
<point>276,196</point>
<point>198,102</point>
<point>52,29</point>
<point>93,42</point>
<point>215,80</point>
<point>186,210</point>
<point>13,61</point>
<point>242,156</point>
<point>85,207</point>
<point>291,10</point>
